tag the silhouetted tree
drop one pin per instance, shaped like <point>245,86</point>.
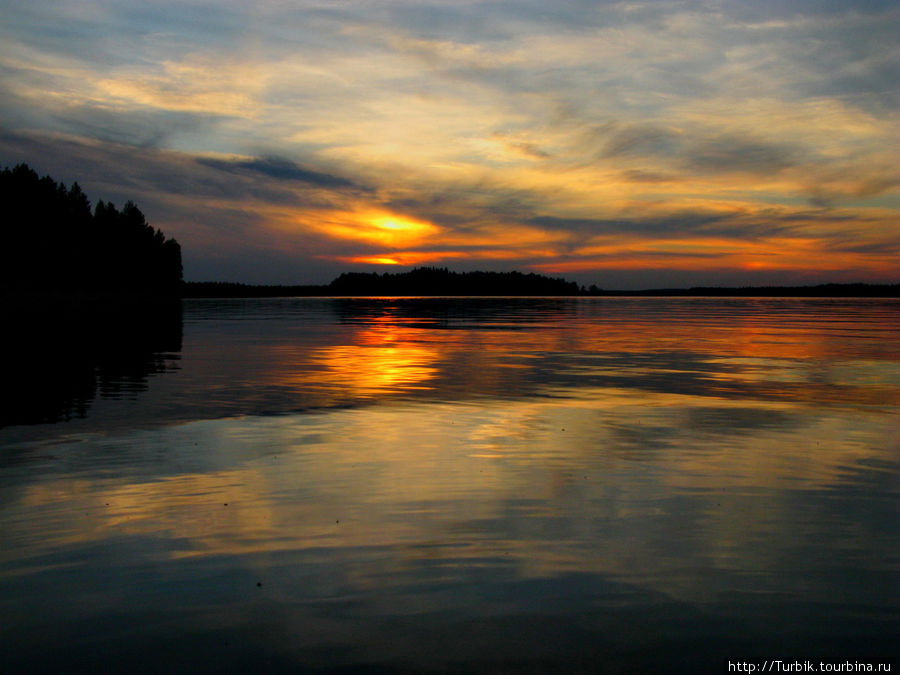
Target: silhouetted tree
<point>52,241</point>
<point>441,281</point>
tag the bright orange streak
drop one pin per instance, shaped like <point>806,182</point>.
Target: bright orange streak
<point>420,257</point>
<point>387,238</point>
<point>375,226</point>
<point>372,260</point>
<point>795,254</point>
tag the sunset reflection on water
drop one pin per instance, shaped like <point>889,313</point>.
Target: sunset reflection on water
<point>648,476</point>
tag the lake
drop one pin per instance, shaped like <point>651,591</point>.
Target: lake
<point>453,485</point>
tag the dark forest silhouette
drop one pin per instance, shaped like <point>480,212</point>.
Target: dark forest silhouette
<point>68,354</point>
<point>53,241</point>
<point>429,281</point>
<point>441,281</point>
<point>88,298</point>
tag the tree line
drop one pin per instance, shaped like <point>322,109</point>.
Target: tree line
<point>54,241</point>
<point>442,281</point>
<point>430,281</point>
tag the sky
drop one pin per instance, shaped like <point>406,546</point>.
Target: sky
<point>626,144</point>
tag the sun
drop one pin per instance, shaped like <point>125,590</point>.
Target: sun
<point>379,227</point>
<point>374,260</point>
<point>401,225</point>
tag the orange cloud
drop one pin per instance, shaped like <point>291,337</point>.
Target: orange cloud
<point>424,257</point>
<point>799,254</point>
<point>371,260</point>
<point>372,226</point>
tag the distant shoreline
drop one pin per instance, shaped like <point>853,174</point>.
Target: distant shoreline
<point>216,289</point>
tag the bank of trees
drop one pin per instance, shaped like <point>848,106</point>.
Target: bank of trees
<point>442,281</point>
<point>53,240</point>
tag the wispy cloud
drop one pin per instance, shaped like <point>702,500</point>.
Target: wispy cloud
<point>279,168</point>
<point>580,137</point>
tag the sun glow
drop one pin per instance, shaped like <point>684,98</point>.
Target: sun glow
<point>376,227</point>
<point>397,224</point>
<point>373,260</point>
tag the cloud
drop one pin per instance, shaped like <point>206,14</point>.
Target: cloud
<point>741,155</point>
<point>280,168</point>
<point>142,128</point>
<point>673,224</point>
<point>521,147</point>
<point>633,139</point>
<point>572,134</point>
<point>641,176</point>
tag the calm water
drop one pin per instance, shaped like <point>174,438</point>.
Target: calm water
<point>539,485</point>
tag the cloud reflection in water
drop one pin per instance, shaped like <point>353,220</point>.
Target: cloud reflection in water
<point>627,479</point>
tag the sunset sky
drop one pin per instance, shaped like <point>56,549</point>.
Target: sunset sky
<point>628,144</point>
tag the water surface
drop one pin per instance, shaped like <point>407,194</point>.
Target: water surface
<point>541,485</point>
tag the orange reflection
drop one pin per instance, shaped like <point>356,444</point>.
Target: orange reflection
<point>384,359</point>
<point>610,409</point>
<point>764,352</point>
<point>367,371</point>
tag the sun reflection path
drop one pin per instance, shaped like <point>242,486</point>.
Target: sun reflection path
<point>385,358</point>
<point>371,370</point>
